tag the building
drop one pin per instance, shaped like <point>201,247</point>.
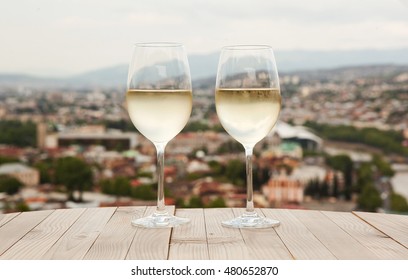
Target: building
<point>283,190</point>
<point>26,175</point>
<point>298,134</point>
<point>285,149</point>
<point>93,135</point>
<point>41,135</point>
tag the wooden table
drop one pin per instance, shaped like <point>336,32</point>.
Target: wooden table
<point>106,233</point>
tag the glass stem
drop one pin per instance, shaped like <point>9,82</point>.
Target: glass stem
<point>250,190</point>
<point>160,147</point>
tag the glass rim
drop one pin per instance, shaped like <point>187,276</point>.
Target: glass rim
<point>246,47</point>
<point>158,44</point>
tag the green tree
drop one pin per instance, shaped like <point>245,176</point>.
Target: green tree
<point>344,164</point>
<point>313,188</point>
<point>389,141</point>
<point>195,202</point>
<point>335,186</point>
<point>22,207</point>
<point>235,172</point>
<point>6,159</point>
<point>9,185</point>
<point>383,167</point>
<point>364,176</point>
<point>369,199</point>
<point>22,134</point>
<point>74,174</point>
<point>144,192</point>
<point>230,147</point>
<point>118,186</point>
<point>398,203</point>
<point>45,169</point>
<point>219,202</point>
<point>107,186</point>
<point>217,169</point>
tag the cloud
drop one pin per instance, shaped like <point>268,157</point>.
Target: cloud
<point>95,33</point>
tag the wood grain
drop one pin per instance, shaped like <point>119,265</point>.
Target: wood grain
<point>301,243</point>
<point>380,244</point>
<point>395,226</point>
<point>18,227</point>
<point>223,243</point>
<point>40,239</point>
<point>150,244</point>
<point>114,241</point>
<point>189,242</point>
<point>264,243</point>
<point>106,233</point>
<point>5,218</point>
<point>75,243</point>
<point>342,245</point>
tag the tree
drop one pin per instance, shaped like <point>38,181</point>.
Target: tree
<point>344,164</point>
<point>21,134</point>
<point>235,172</point>
<point>6,159</point>
<point>335,186</point>
<point>195,202</point>
<point>75,174</point>
<point>145,192</point>
<point>230,147</point>
<point>383,167</point>
<point>364,176</point>
<point>369,199</point>
<point>398,203</point>
<point>9,185</point>
<point>219,202</point>
<point>44,168</point>
<point>22,207</point>
<point>118,186</point>
<point>217,168</point>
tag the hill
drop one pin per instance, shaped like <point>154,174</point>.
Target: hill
<point>308,64</point>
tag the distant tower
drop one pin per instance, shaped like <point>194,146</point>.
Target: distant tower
<point>41,134</point>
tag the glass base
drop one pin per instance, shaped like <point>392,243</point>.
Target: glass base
<point>159,220</point>
<point>251,220</point>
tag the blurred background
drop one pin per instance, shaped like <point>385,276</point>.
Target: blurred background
<point>341,142</point>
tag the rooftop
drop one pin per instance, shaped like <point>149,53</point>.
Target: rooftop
<point>14,168</point>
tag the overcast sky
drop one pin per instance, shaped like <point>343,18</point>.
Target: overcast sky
<point>62,37</point>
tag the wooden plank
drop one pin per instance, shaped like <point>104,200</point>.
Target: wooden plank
<point>5,218</point>
<point>40,239</point>
<point>341,244</point>
<point>395,226</point>
<point>189,242</point>
<point>114,241</point>
<point>301,243</point>
<point>150,244</point>
<point>76,241</point>
<point>379,243</point>
<point>15,229</point>
<point>223,243</point>
<point>263,243</point>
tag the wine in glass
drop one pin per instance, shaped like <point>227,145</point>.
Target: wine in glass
<point>159,103</point>
<point>248,102</point>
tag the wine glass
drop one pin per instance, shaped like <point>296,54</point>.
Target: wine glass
<point>159,102</point>
<point>248,102</point>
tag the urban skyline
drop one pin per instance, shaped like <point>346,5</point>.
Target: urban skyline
<point>359,121</point>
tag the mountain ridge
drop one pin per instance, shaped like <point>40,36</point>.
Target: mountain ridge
<point>204,66</point>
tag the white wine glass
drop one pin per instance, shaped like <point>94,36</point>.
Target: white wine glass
<point>159,102</point>
<point>248,102</point>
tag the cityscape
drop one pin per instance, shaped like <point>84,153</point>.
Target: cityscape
<point>341,144</point>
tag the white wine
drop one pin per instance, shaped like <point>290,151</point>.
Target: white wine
<point>248,114</point>
<point>159,114</point>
